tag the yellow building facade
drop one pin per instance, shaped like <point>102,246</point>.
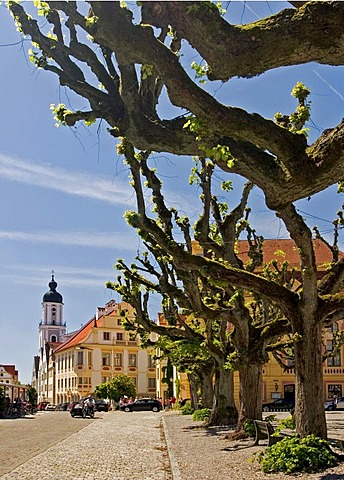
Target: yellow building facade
<point>279,382</point>
<point>100,351</point>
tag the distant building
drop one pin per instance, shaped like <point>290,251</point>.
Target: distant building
<point>70,366</point>
<point>98,352</point>
<point>52,331</point>
<point>8,375</point>
<point>9,381</point>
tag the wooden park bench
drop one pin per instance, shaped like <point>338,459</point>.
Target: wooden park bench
<point>265,431</point>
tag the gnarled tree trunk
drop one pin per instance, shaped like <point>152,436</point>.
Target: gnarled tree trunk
<point>224,411</point>
<point>309,409</point>
<point>250,393</point>
<point>193,390</point>
<point>208,390</point>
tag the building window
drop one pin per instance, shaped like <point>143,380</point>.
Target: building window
<point>333,328</point>
<point>105,379</point>
<point>334,390</point>
<point>89,358</point>
<point>333,361</point>
<point>151,383</point>
<point>119,321</point>
<point>151,362</point>
<point>119,336</point>
<point>117,360</point>
<point>106,360</point>
<point>53,338</point>
<point>87,380</point>
<point>80,358</point>
<point>132,359</point>
<point>106,335</point>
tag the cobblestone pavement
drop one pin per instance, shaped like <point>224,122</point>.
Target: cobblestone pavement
<point>113,446</point>
<point>134,446</point>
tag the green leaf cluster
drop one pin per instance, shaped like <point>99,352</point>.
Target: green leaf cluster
<point>60,112</point>
<point>286,423</point>
<point>249,428</point>
<point>296,121</point>
<point>187,409</point>
<point>146,71</point>
<point>294,454</point>
<point>91,21</point>
<point>200,71</point>
<point>201,415</point>
<point>116,388</point>
<point>42,8</point>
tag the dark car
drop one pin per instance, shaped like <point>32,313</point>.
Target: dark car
<point>82,410</point>
<point>147,404</point>
<point>62,406</point>
<point>71,405</point>
<point>279,405</point>
<point>102,406</point>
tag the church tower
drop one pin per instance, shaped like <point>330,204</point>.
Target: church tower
<point>51,328</point>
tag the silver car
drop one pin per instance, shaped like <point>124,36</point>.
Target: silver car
<point>330,405</point>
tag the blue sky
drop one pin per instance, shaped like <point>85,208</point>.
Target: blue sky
<point>63,191</point>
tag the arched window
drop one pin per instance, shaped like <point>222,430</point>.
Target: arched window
<point>53,338</point>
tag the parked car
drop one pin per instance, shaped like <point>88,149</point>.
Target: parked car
<point>339,404</point>
<point>51,407</point>
<point>62,406</point>
<point>76,409</point>
<point>71,405</point>
<point>147,404</point>
<point>102,406</point>
<point>41,406</point>
<point>278,405</point>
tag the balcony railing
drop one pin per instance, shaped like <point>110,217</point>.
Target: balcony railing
<point>334,370</point>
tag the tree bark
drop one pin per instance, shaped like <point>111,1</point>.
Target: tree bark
<point>309,408</point>
<point>193,390</point>
<point>250,393</point>
<point>207,391</point>
<point>224,411</point>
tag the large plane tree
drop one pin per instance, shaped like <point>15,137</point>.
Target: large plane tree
<point>235,328</point>
<point>96,53</point>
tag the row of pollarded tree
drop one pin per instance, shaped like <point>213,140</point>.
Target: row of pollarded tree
<point>275,156</point>
<point>216,326</point>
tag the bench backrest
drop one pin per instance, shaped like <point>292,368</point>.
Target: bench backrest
<point>264,427</point>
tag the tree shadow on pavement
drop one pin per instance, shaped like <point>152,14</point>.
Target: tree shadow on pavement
<point>331,476</point>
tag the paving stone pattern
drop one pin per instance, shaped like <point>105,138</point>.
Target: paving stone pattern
<point>113,446</point>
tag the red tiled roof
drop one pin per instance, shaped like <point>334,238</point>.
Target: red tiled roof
<point>272,247</point>
<point>11,369</point>
<point>110,309</point>
<point>80,335</point>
